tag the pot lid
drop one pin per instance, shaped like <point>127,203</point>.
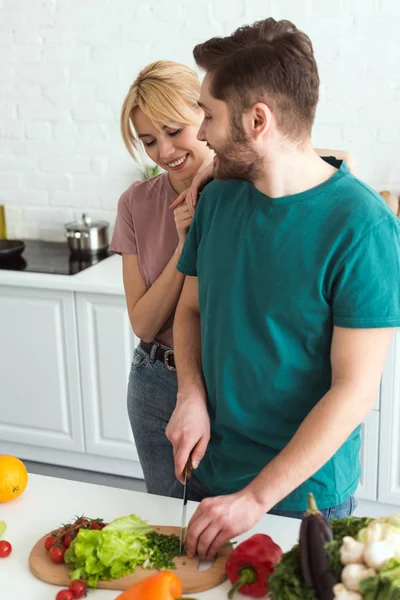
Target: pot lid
<point>86,223</point>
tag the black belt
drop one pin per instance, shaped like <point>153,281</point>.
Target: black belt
<point>164,355</point>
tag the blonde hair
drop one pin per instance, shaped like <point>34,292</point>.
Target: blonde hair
<point>167,93</point>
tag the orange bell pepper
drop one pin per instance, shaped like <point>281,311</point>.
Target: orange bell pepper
<point>161,586</point>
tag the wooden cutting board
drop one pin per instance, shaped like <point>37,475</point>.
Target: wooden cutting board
<point>193,580</point>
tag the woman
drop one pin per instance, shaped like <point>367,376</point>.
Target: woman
<point>160,111</point>
<point>161,108</point>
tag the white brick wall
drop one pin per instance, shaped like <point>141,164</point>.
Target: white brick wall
<point>66,66</point>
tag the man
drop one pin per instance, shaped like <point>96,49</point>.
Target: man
<point>289,304</point>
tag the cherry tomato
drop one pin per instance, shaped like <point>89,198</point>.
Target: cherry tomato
<point>56,554</point>
<point>82,522</point>
<point>5,549</point>
<point>95,525</point>
<point>65,595</point>
<point>50,541</point>
<point>67,539</point>
<point>78,588</point>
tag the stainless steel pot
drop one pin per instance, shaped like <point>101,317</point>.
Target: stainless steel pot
<point>87,236</point>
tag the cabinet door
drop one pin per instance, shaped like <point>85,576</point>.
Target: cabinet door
<point>40,401</point>
<point>389,455</point>
<point>367,489</point>
<point>106,345</point>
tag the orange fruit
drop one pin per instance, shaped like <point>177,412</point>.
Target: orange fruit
<point>13,477</point>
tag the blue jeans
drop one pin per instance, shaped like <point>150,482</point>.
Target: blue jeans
<point>197,492</point>
<point>151,399</point>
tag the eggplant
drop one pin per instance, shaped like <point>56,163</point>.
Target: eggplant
<point>315,531</point>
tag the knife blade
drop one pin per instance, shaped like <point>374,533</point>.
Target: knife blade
<point>184,504</point>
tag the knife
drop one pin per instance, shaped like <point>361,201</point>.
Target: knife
<point>183,520</point>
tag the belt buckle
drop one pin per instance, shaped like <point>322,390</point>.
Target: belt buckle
<point>168,353</point>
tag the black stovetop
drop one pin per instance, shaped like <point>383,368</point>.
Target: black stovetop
<point>50,257</point>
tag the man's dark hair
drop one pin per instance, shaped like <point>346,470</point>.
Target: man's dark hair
<point>271,62</point>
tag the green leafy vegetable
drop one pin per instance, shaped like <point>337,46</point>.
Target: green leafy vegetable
<point>350,526</point>
<point>118,549</point>
<point>130,524</point>
<point>286,581</point>
<point>333,549</point>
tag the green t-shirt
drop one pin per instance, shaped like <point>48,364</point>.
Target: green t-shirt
<point>275,275</point>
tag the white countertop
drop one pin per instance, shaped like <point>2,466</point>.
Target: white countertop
<point>103,278</point>
<point>48,502</point>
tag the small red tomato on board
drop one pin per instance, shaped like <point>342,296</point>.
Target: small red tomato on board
<point>5,549</point>
<point>56,554</point>
<point>65,595</point>
<point>78,588</point>
<point>82,522</point>
<point>67,540</point>
<point>49,542</point>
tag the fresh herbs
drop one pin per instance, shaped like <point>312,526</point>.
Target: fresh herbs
<point>333,550</point>
<point>165,549</point>
<point>350,526</point>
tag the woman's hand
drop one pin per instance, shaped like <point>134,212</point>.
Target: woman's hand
<point>183,218</point>
<point>190,196</point>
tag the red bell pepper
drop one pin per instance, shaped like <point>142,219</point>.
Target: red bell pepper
<point>251,564</point>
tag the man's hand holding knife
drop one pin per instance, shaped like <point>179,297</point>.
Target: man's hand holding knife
<point>216,520</point>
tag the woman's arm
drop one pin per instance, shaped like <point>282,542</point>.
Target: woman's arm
<point>149,309</point>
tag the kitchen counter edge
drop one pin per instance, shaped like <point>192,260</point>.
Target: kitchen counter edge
<point>103,278</point>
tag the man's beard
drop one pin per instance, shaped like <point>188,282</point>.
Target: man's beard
<point>237,159</point>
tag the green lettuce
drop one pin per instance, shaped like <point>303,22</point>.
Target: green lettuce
<point>130,524</point>
<point>118,549</point>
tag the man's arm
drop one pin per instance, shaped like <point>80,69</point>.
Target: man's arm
<point>189,427</point>
<point>357,358</point>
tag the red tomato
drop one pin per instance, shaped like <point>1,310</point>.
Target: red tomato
<point>67,539</point>
<point>50,541</point>
<point>82,522</point>
<point>78,588</point>
<point>65,595</point>
<point>56,554</point>
<point>5,549</point>
<point>95,525</point>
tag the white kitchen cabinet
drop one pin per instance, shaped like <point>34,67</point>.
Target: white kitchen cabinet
<point>389,450</point>
<point>106,344</point>
<point>40,398</point>
<point>367,489</point>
